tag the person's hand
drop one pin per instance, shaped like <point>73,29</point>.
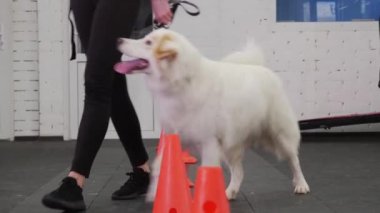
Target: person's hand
<point>161,11</point>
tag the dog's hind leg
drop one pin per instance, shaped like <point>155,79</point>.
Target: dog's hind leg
<point>233,159</point>
<point>211,152</point>
<point>288,148</point>
<point>299,182</point>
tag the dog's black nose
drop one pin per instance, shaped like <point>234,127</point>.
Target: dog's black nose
<point>119,41</point>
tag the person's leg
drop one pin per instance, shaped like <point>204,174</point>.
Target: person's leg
<point>101,56</point>
<point>83,13</point>
<point>127,124</point>
<point>68,196</point>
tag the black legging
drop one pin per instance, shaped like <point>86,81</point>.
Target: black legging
<point>99,24</point>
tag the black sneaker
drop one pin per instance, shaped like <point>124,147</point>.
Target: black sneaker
<point>67,197</point>
<point>136,185</point>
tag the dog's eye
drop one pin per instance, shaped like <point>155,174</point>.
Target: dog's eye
<point>148,42</point>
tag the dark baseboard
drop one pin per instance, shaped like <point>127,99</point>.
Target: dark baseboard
<point>306,137</point>
<point>340,136</point>
<point>37,138</point>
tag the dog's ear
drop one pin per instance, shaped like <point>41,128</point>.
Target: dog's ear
<point>165,48</point>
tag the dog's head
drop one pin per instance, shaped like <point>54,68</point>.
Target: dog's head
<point>154,54</point>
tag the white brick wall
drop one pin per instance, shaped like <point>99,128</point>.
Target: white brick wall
<point>337,70</point>
<point>25,67</point>
<point>38,67</point>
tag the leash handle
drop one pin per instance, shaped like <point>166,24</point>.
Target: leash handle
<point>174,6</point>
<point>183,4</point>
<point>72,37</point>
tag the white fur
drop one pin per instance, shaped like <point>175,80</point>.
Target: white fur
<point>222,107</point>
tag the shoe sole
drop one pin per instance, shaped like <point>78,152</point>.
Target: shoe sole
<point>63,205</point>
<point>128,197</point>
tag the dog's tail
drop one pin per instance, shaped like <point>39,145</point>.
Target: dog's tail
<point>251,55</point>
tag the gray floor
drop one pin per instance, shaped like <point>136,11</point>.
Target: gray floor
<point>343,173</point>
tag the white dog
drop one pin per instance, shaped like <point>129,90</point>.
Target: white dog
<point>219,106</point>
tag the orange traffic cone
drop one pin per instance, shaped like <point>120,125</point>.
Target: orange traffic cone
<point>173,193</point>
<point>190,183</point>
<point>209,195</point>
<point>187,158</point>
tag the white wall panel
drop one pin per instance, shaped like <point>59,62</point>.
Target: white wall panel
<point>51,68</point>
<point>6,84</point>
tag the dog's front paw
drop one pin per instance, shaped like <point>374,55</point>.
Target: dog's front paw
<point>152,189</point>
<point>151,194</point>
<point>301,187</point>
<point>231,194</point>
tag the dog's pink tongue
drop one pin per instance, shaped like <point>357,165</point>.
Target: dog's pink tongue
<point>125,67</point>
